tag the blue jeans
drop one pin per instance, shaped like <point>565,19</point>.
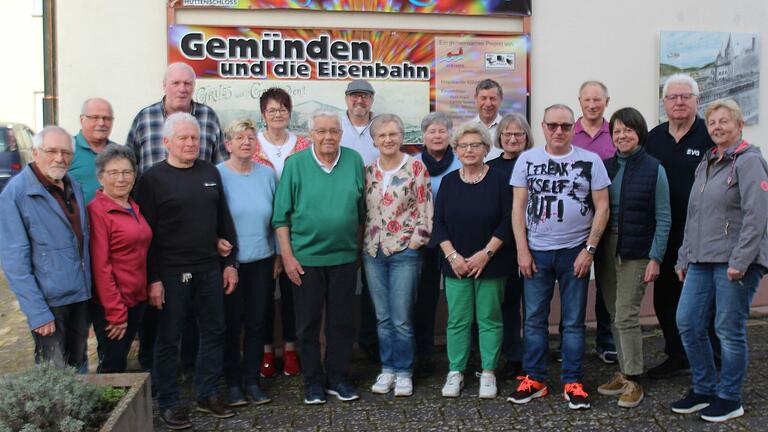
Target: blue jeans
<point>393,282</point>
<point>203,296</point>
<point>556,265</point>
<point>705,284</point>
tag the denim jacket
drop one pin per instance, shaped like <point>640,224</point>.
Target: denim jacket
<point>728,210</point>
<point>40,254</point>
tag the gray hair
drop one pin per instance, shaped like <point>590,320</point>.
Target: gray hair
<point>681,78</point>
<point>563,107</point>
<point>39,138</point>
<point>488,84</point>
<point>84,108</point>
<point>519,120</point>
<point>436,117</point>
<point>471,127</point>
<point>320,112</point>
<point>113,152</point>
<point>594,83</point>
<point>178,65</point>
<point>382,119</point>
<point>169,128</point>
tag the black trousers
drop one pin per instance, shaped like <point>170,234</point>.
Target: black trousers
<point>246,319</point>
<point>287,315</point>
<point>329,289</point>
<point>113,353</point>
<point>426,301</point>
<point>68,345</point>
<point>367,335</point>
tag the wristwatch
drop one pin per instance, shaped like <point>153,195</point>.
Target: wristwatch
<point>590,248</point>
<point>490,253</point>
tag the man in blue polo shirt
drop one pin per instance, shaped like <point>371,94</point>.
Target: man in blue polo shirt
<point>96,119</point>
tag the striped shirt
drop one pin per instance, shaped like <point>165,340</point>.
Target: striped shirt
<point>146,135</point>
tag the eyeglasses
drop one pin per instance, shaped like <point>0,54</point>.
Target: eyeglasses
<point>323,132</point>
<point>243,138</point>
<point>96,118</point>
<point>626,131</point>
<point>517,135</point>
<point>566,127</point>
<point>473,146</point>
<point>363,96</point>
<point>275,111</point>
<point>66,154</point>
<point>115,174</point>
<point>685,97</point>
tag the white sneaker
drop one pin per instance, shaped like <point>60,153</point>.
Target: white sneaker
<point>487,385</point>
<point>384,383</point>
<point>403,386</point>
<point>453,384</point>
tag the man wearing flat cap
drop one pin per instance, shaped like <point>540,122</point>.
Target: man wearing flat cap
<point>359,99</point>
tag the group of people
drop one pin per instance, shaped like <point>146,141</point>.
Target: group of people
<point>185,232</point>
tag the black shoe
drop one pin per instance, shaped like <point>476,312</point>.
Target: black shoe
<point>511,370</point>
<point>669,368</point>
<point>215,407</point>
<point>721,410</point>
<point>425,367</point>
<point>343,391</point>
<point>315,395</point>
<point>691,403</point>
<point>176,418</point>
<point>257,395</point>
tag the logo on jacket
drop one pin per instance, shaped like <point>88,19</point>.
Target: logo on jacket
<point>693,152</point>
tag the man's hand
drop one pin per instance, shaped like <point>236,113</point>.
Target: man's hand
<point>526,263</point>
<point>156,295</point>
<point>582,264</point>
<point>476,263</point>
<point>224,247</point>
<point>277,267</point>
<point>116,331</point>
<point>652,271</point>
<point>293,269</point>
<point>734,275</point>
<point>230,279</point>
<point>46,329</point>
<point>681,274</point>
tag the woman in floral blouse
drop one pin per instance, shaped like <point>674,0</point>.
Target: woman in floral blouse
<point>398,197</point>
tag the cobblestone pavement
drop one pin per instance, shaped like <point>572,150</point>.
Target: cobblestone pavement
<point>427,411</point>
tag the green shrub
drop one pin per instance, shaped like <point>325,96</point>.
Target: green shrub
<point>44,398</point>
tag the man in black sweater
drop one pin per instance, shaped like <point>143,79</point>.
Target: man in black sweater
<point>679,144</point>
<point>183,201</point>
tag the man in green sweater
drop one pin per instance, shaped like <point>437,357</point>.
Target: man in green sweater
<point>318,212</point>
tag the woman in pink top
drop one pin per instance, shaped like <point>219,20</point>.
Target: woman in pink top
<point>398,198</point>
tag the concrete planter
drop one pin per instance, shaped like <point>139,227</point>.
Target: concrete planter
<point>134,411</point>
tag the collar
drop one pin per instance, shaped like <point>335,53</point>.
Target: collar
<point>82,143</point>
<point>165,114</point>
<point>494,123</point>
<point>578,128</point>
<point>320,164</point>
<point>48,184</point>
<point>110,205</point>
<point>732,150</point>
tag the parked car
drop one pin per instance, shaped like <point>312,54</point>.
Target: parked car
<point>15,150</point>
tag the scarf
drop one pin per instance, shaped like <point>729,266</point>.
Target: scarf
<point>437,167</point>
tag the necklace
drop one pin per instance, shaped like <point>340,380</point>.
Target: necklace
<point>477,178</point>
<point>275,144</point>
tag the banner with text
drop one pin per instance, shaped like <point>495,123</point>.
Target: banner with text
<point>454,7</point>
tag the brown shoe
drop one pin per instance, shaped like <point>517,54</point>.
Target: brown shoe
<point>215,407</point>
<point>176,418</point>
<point>613,387</point>
<point>632,396</point>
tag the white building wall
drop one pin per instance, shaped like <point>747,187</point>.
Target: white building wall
<point>117,50</point>
<point>21,73</point>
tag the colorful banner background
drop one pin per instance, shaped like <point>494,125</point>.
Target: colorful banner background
<point>455,7</point>
<point>413,72</point>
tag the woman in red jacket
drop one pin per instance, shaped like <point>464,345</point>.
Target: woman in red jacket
<point>119,243</point>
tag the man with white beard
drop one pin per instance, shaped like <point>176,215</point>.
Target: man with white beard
<point>44,233</point>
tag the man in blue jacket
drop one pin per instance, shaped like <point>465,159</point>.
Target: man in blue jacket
<point>44,233</point>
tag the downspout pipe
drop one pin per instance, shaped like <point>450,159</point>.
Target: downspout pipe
<point>51,89</point>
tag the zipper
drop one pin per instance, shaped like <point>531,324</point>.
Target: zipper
<point>726,226</point>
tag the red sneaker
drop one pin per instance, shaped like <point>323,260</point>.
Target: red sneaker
<point>291,366</point>
<point>268,368</point>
